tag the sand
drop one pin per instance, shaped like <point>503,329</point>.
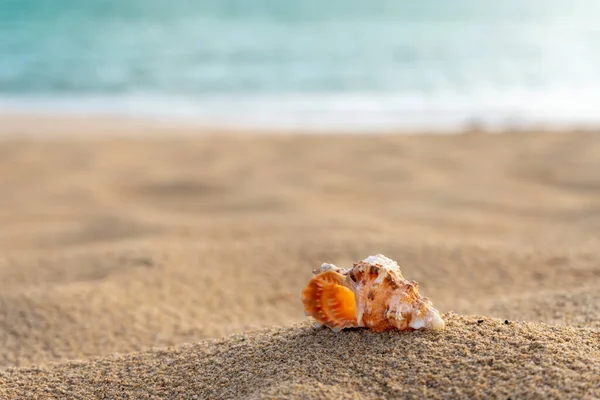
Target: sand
<point>471,359</point>
<point>171,266</point>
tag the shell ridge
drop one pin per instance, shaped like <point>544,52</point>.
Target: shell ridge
<point>329,301</point>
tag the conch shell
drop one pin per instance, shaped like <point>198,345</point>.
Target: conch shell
<point>372,294</point>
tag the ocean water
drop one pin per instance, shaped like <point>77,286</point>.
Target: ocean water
<point>337,64</point>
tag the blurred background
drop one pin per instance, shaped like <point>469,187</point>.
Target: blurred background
<point>352,64</point>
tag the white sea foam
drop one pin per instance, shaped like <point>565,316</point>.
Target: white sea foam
<point>491,110</point>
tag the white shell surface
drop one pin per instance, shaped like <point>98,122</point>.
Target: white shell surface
<point>328,267</point>
<point>384,262</point>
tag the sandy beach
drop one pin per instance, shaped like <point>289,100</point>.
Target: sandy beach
<point>170,265</point>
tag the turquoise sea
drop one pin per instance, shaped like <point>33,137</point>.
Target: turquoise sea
<point>351,64</point>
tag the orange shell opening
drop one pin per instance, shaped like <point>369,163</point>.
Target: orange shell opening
<point>329,302</point>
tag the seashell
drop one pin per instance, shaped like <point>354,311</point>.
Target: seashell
<point>372,294</point>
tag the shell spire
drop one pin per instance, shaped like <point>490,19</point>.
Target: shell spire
<point>373,293</point>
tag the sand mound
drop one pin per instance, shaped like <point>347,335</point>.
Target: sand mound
<point>577,308</point>
<point>469,359</point>
<point>133,296</point>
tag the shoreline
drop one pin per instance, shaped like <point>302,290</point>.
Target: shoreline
<point>69,126</point>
